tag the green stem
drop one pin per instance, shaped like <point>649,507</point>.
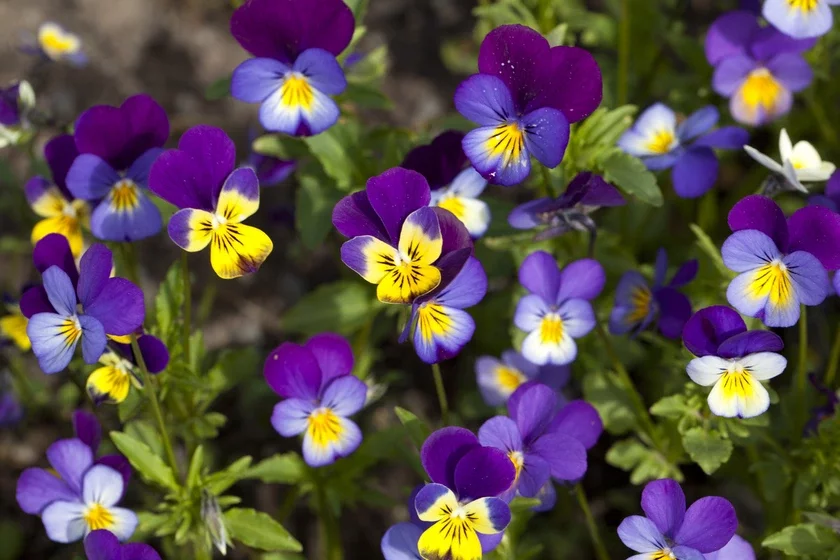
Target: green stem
<point>833,360</point>
<point>288,504</point>
<point>185,340</point>
<point>132,270</point>
<point>153,400</point>
<point>802,368</point>
<point>548,187</point>
<point>329,525</point>
<point>597,543</point>
<point>623,51</point>
<point>441,394</point>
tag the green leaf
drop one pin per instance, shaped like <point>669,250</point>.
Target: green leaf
<point>280,146</point>
<point>315,202</point>
<point>417,430</point>
<point>804,539</point>
<point>149,465</point>
<point>220,481</point>
<point>630,175</point>
<point>604,126</point>
<point>218,89</point>
<point>169,301</point>
<point>283,468</point>
<point>711,249</point>
<point>366,96</point>
<point>604,392</point>
<point>335,149</point>
<point>709,449</point>
<point>344,305</point>
<point>259,530</point>
<point>674,406</point>
<point>196,464</point>
<point>643,463</point>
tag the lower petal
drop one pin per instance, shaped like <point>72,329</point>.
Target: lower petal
<point>438,542</point>
<point>743,397</point>
<point>238,250</point>
<point>539,352</point>
<point>54,339</point>
<point>126,217</point>
<point>124,522</point>
<point>809,276</point>
<point>64,521</point>
<point>108,384</point>
<point>488,515</point>
<point>400,542</point>
<point>546,135</point>
<point>695,172</point>
<point>324,447</point>
<point>407,282</point>
<point>499,153</point>
<point>742,296</point>
<point>441,332</point>
<point>578,317</point>
<point>191,229</point>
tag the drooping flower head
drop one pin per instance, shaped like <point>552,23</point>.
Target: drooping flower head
<point>111,382</point>
<point>801,19</point>
<point>295,43</point>
<point>523,99</point>
<point>758,68</point>
<point>320,394</point>
<point>396,240</point>
<point>557,309</point>
<point>462,500</point>
<point>498,379</point>
<point>638,304</point>
<point>455,185</point>
<point>55,43</point>
<point>570,211</point>
<point>84,307</point>
<point>732,360</point>
<point>13,325</point>
<point>686,147</point>
<point>800,162</point>
<point>117,147</point>
<point>669,530</point>
<point>62,213</point>
<point>781,262</point>
<point>104,545</point>
<point>214,198</point>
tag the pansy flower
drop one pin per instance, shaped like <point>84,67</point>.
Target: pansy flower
<point>72,308</point>
<point>55,43</point>
<point>686,147</point>
<point>118,372</point>
<point>461,502</point>
<point>455,185</point>
<point>117,147</point>
<point>800,19</point>
<point>800,162</point>
<point>13,326</point>
<point>524,98</point>
<point>557,310</point>
<point>86,428</point>
<point>15,102</point>
<point>320,394</point>
<point>214,198</point>
<point>822,412</point>
<point>758,68</point>
<point>830,199</point>
<point>570,211</point>
<point>51,200</point>
<point>536,453</point>
<point>104,545</point>
<point>498,379</point>
<point>669,530</point>
<point>780,263</point>
<point>396,240</point>
<point>295,71</point>
<point>638,304</point>
<point>732,360</point>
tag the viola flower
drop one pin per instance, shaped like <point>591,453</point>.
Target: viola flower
<point>781,263</point>
<point>214,199</point>
<point>111,382</point>
<point>320,395</point>
<point>104,545</point>
<point>736,549</point>
<point>13,326</point>
<point>524,98</point>
<point>831,200</point>
<point>72,308</point>
<point>685,148</point>
<point>117,147</point>
<point>637,304</point>
<point>799,163</point>
<point>557,309</point>
<point>295,43</point>
<point>455,185</point>
<point>800,19</point>
<point>536,454</point>
<point>468,519</point>
<point>498,379</point>
<point>733,360</point>
<point>16,101</point>
<point>396,240</point>
<point>669,530</point>
<point>570,211</point>
<point>757,68</point>
<point>62,212</point>
<point>441,326</point>
<point>55,43</point>
<point>82,498</point>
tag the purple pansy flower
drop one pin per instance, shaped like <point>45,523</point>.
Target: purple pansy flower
<point>461,502</point>
<point>669,530</point>
<point>498,379</point>
<point>320,395</point>
<point>295,43</point>
<point>799,19</point>
<point>736,549</point>
<point>396,240</point>
<point>758,68</point>
<point>637,304</point>
<point>117,147</point>
<point>732,360</point>
<point>831,200</point>
<point>455,185</point>
<point>78,308</point>
<point>557,309</point>
<point>214,199</point>
<point>781,263</point>
<point>104,545</point>
<point>523,99</point>
<point>570,211</point>
<point>686,148</point>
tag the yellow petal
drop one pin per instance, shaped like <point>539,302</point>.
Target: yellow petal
<point>13,327</point>
<point>237,249</point>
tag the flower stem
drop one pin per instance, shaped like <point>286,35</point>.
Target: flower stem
<point>185,272</point>
<point>597,543</point>
<point>441,394</point>
<point>129,257</point>
<point>802,370</point>
<point>833,360</point>
<point>623,52</point>
<point>329,524</point>
<point>153,399</point>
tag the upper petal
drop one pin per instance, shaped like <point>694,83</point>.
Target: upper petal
<point>345,395</point>
<point>95,269</point>
<point>708,525</point>
<point>533,409</point>
<point>119,307</point>
<point>333,354</point>
<point>540,275</point>
<point>571,83</point>
<point>102,485</point>
<point>483,472</point>
<point>502,433</point>
<point>816,230</point>
<point>442,451</point>
<point>749,343</point>
<point>292,371</point>
<point>394,195</point>
<point>763,214</point>
<point>256,79</point>
<point>60,291</point>
<point>581,279</point>
<point>70,458</point>
<point>580,420</point>
<point>663,502</point>
<point>729,35</point>
<point>709,327</point>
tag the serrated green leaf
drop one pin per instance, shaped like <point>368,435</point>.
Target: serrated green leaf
<point>259,530</point>
<point>283,468</point>
<point>630,175</point>
<point>220,481</point>
<point>336,150</point>
<point>803,539</point>
<point>345,306</point>
<point>673,406</point>
<point>169,301</point>
<point>417,430</point>
<point>709,449</point>
<point>150,466</point>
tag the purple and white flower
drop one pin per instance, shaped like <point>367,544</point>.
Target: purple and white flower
<point>499,378</point>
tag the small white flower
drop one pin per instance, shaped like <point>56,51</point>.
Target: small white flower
<point>800,162</point>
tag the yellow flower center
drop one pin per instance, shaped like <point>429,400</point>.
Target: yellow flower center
<point>296,92</point>
<point>662,141</point>
<point>324,427</point>
<point>772,280</point>
<point>664,554</point>
<point>71,330</point>
<point>551,329</point>
<point>508,140</point>
<point>761,89</point>
<point>518,460</point>
<point>454,204</point>
<point>509,378</point>
<point>98,517</point>
<point>640,300</point>
<point>803,5</point>
<point>124,196</point>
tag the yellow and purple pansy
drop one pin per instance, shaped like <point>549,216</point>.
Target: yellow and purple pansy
<point>499,378</point>
<point>214,198</point>
<point>55,43</point>
<point>118,372</point>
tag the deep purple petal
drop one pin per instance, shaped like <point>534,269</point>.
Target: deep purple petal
<point>663,502</point>
<point>94,271</point>
<point>37,488</point>
<point>684,274</point>
<point>155,353</point>
<point>674,311</point>
<point>697,123</point>
<point>571,83</point>
<point>731,73</point>
<point>483,472</point>
<point>86,427</point>
<point>730,35</point>
<point>353,216</point>
<point>439,162</point>
<point>580,420</point>
<point>749,343</point>
<point>816,230</point>
<point>600,193</point>
<point>35,300</point>
<point>565,455</point>
<point>725,138</point>
<point>292,371</point>
<point>554,376</point>
<point>394,195</point>
<point>333,354</point>
<point>708,524</point>
<point>546,135</point>
<point>485,100</point>
<point>442,451</point>
<point>540,275</point>
<point>148,128</point>
<point>533,409</point>
<point>769,41</point>
<point>54,250</point>
<point>453,233</point>
<point>60,153</point>
<point>119,307</point>
<point>763,214</point>
<point>707,329</point>
<point>695,172</point>
<point>103,545</point>
<point>102,131</point>
<point>581,279</point>
<point>791,70</point>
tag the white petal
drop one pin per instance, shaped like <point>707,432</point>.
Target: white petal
<point>763,160</point>
<point>721,404</point>
<point>539,353</point>
<point>476,216</point>
<point>804,156</point>
<point>64,521</point>
<point>102,485</point>
<point>755,403</point>
<point>707,370</point>
<point>816,174</point>
<point>785,145</point>
<point>125,522</point>
<point>764,365</point>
